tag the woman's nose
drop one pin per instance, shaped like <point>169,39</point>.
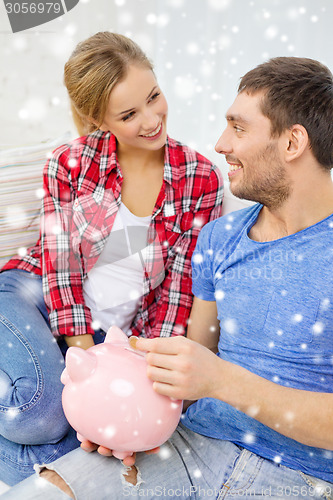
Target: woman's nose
<point>150,121</point>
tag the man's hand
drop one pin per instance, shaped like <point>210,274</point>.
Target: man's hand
<point>106,452</point>
<point>180,368</point>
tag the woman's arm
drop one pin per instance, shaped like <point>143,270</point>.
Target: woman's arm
<point>61,266</point>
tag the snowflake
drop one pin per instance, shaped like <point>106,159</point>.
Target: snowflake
<point>197,473</point>
<point>297,318</point>
<point>198,222</point>
<point>122,387</point>
<point>293,13</point>
<point>325,303</point>
<point>230,326</point>
<point>164,453</point>
<point>197,258</point>
<point>249,438</point>
<point>224,42</point>
<point>12,413</point>
<point>271,32</point>
<point>40,193</point>
<point>192,48</point>
<point>252,411</point>
<point>108,431</point>
<point>219,4</point>
<point>22,251</point>
<point>184,87</point>
<point>289,416</point>
<point>219,294</point>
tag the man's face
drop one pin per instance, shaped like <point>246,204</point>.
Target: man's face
<point>257,171</point>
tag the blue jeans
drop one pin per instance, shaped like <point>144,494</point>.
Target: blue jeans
<point>189,466</point>
<point>33,427</point>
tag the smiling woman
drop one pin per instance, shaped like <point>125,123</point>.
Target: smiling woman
<point>123,206</point>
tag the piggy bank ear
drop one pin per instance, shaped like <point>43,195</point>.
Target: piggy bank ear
<point>79,364</point>
<point>116,336</point>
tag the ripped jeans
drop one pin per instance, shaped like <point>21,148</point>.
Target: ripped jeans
<point>33,427</point>
<point>188,466</point>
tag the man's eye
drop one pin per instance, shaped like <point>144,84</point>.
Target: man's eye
<point>238,129</point>
<point>154,96</point>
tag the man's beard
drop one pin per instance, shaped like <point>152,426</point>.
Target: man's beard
<point>269,187</point>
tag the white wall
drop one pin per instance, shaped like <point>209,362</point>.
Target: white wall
<point>200,49</point>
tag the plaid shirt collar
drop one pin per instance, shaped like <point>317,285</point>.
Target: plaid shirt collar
<point>109,160</point>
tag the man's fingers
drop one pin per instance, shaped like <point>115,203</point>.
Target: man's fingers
<point>162,375</point>
<point>165,361</point>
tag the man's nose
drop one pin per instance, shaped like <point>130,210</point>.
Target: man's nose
<point>223,146</point>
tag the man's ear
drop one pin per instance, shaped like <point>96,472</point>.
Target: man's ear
<point>297,140</point>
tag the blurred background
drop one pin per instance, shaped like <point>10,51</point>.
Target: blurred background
<point>200,49</point>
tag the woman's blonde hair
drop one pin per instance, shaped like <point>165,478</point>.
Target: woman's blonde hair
<point>94,68</point>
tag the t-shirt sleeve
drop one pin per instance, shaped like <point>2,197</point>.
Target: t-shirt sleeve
<point>202,265</point>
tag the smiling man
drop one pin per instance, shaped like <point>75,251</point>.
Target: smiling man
<point>261,423</point>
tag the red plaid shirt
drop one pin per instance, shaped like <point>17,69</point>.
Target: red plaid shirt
<point>82,185</point>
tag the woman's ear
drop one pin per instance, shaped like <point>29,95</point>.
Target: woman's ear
<point>297,140</point>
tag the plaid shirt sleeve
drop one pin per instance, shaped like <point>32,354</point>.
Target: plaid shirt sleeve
<point>61,266</point>
<point>174,297</point>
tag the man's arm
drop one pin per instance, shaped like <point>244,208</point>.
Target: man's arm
<point>203,325</point>
<point>184,369</point>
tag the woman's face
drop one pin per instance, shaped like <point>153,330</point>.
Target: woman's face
<point>137,111</point>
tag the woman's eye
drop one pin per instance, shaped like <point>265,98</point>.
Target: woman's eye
<point>126,117</point>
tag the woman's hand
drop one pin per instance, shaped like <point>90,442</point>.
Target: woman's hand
<point>106,452</point>
<point>179,367</point>
<point>83,341</point>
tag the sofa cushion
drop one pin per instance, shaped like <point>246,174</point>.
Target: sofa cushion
<point>21,194</point>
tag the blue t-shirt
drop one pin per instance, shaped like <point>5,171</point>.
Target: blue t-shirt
<point>274,302</point>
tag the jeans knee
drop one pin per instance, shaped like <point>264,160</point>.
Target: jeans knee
<point>27,414</point>
<point>20,428</point>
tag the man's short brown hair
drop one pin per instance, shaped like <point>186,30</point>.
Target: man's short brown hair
<point>296,91</point>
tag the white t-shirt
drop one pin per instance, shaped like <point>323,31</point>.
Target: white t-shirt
<point>114,287</point>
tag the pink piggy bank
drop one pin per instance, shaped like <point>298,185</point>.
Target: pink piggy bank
<point>109,400</point>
